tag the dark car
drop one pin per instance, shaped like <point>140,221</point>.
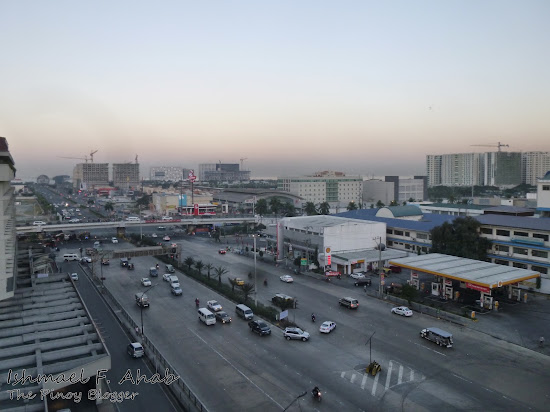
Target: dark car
<point>222,317</point>
<point>395,269</point>
<point>363,282</point>
<point>260,327</point>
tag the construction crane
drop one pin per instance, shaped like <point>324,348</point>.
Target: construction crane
<point>92,155</point>
<point>242,160</point>
<point>499,145</point>
<point>77,158</point>
<point>136,159</point>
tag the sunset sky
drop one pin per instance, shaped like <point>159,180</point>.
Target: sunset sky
<point>363,87</point>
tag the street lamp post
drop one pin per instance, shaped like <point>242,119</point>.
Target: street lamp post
<point>141,306</point>
<point>255,281</point>
<point>378,241</point>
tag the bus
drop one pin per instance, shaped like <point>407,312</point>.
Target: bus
<point>198,210</point>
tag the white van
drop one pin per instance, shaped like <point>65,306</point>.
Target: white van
<point>244,312</point>
<point>206,316</point>
<point>174,281</point>
<point>97,245</point>
<point>70,256</point>
<point>132,219</point>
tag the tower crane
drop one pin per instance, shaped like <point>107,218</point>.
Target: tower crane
<point>76,158</point>
<point>92,155</point>
<point>499,145</point>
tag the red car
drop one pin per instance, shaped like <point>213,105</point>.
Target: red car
<point>395,269</point>
<point>221,251</point>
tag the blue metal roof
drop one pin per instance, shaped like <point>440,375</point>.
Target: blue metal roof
<point>519,222</point>
<point>427,223</point>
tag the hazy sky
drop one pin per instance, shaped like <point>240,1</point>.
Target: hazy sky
<point>364,87</point>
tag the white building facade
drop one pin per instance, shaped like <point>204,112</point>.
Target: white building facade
<point>534,166</point>
<point>8,267</point>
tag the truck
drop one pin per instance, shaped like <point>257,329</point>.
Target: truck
<point>439,336</point>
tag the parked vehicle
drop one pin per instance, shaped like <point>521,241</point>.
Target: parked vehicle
<point>439,336</point>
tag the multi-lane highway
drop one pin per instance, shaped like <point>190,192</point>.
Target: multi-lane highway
<point>230,368</point>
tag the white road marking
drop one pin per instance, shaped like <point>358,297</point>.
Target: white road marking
<point>374,384</point>
<point>461,378</point>
<point>400,375</point>
<point>343,374</point>
<point>412,375</point>
<point>424,347</point>
<point>237,369</point>
<point>388,377</point>
<point>353,378</point>
<point>364,381</point>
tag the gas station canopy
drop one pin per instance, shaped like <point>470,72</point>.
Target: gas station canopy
<point>475,272</point>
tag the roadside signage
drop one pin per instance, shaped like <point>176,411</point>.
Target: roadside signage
<point>414,275</point>
<point>304,262</point>
<point>478,288</point>
<point>328,257</point>
<point>192,176</point>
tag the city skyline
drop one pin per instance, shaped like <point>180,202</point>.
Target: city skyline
<point>366,88</point>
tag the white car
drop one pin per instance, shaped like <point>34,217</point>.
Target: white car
<point>154,235</point>
<point>145,282</point>
<point>166,277</point>
<point>166,238</point>
<point>86,259</point>
<point>357,275</point>
<point>74,220</point>
<point>114,240</point>
<point>214,305</point>
<point>402,310</point>
<point>74,276</point>
<point>38,223</point>
<point>327,326</point>
<point>286,278</point>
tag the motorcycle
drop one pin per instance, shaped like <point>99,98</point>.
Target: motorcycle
<point>197,303</point>
<point>313,318</point>
<point>316,393</point>
<point>265,282</point>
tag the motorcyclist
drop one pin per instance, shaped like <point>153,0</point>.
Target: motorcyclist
<point>157,266</point>
<point>265,282</point>
<point>313,317</point>
<point>197,302</point>
<point>316,392</point>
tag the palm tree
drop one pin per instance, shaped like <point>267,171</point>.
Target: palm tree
<point>199,265</point>
<point>189,262</point>
<point>209,267</point>
<point>233,284</point>
<point>324,208</point>
<point>310,209</point>
<point>352,206</point>
<point>108,207</point>
<point>248,289</point>
<point>220,271</point>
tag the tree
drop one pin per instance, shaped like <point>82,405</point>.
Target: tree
<point>248,289</point>
<point>275,205</point>
<point>352,206</point>
<point>220,271</point>
<point>284,304</point>
<point>324,208</point>
<point>216,235</point>
<point>379,204</point>
<point>189,262</point>
<point>288,209</point>
<point>233,284</point>
<point>208,267</point>
<point>261,207</point>
<point>143,200</point>
<point>408,292</point>
<point>91,201</point>
<point>460,238</point>
<point>109,207</point>
<point>310,209</point>
<point>393,203</point>
<point>411,200</point>
<point>199,265</point>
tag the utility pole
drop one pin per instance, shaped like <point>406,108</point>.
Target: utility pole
<point>378,241</point>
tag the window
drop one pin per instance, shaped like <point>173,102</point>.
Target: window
<point>422,236</point>
<point>407,246</point>
<point>501,232</point>
<point>502,248</point>
<point>501,262</point>
<point>520,265</point>
<point>408,234</point>
<point>539,253</point>
<point>398,232</point>
<point>540,236</point>
<point>486,231</point>
<point>390,243</point>
<point>545,187</point>
<point>389,231</point>
<point>520,251</point>
<point>524,234</point>
<point>540,269</point>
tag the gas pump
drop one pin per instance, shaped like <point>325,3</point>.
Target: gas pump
<point>436,289</point>
<point>414,280</point>
<point>448,285</point>
<point>488,302</point>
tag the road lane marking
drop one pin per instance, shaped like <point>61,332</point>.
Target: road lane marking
<point>353,378</point>
<point>388,377</point>
<point>374,384</point>
<point>364,381</point>
<point>412,375</point>
<point>400,375</point>
<point>343,374</point>
<point>461,378</point>
<point>237,369</point>
<point>424,347</point>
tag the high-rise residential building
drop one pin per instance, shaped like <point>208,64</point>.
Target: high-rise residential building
<point>534,166</point>
<point>126,176</point>
<point>89,176</point>
<point>326,186</point>
<point>8,267</point>
<point>502,169</point>
<point>543,195</point>
<point>168,173</point>
<point>433,170</point>
<point>222,172</point>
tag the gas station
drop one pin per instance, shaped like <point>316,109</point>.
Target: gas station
<point>454,273</point>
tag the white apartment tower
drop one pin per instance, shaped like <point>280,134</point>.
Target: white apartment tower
<point>433,170</point>
<point>534,166</point>
<point>8,267</point>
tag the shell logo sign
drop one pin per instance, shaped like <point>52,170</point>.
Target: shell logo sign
<point>328,256</point>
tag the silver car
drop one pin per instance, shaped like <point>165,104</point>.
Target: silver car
<point>296,333</point>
